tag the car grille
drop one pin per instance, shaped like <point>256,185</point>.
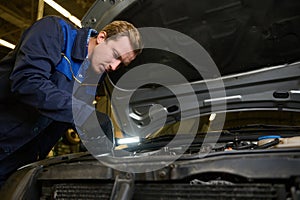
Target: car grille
<point>78,191</point>
<point>184,191</point>
<point>166,191</point>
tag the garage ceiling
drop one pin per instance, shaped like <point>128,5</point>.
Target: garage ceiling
<point>17,15</point>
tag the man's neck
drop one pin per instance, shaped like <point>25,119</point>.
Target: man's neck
<point>91,46</point>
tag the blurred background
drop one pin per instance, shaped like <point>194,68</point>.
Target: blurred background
<point>17,15</point>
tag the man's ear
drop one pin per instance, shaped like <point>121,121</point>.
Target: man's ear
<point>101,37</point>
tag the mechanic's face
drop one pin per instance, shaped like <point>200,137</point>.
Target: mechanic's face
<point>109,54</point>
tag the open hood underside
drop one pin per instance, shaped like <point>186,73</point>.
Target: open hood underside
<point>239,35</point>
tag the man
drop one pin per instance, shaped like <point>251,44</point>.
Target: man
<point>37,81</point>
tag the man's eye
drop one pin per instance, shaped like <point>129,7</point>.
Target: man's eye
<point>116,54</point>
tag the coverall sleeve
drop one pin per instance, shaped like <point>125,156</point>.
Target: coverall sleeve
<point>38,54</point>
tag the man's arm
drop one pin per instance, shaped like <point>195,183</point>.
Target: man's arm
<point>37,57</point>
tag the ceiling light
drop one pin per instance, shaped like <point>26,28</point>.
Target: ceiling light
<point>59,8</point>
<point>64,12</point>
<point>75,20</point>
<point>7,44</point>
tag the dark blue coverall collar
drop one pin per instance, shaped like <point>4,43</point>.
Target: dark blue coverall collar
<point>81,40</point>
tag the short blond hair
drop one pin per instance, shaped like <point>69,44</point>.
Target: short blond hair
<point>120,28</point>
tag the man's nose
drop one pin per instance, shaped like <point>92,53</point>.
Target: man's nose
<point>114,65</point>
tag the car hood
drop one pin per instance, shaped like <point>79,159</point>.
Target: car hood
<point>254,47</point>
<point>238,35</point>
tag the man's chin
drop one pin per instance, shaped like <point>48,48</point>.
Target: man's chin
<point>99,70</point>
